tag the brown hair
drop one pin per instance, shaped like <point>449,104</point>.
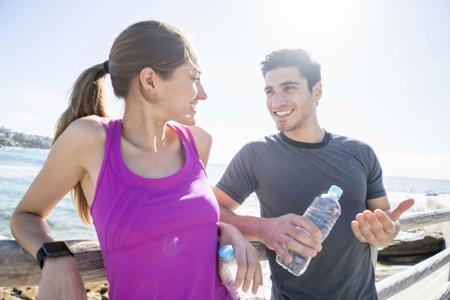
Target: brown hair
<point>145,44</point>
<point>298,58</point>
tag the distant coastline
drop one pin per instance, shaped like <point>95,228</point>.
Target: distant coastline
<point>17,139</point>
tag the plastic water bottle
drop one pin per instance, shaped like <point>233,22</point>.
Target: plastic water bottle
<point>227,274</point>
<point>323,212</point>
<point>227,271</point>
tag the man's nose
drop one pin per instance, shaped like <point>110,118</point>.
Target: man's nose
<point>278,100</point>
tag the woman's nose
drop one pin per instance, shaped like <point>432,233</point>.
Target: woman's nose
<point>201,93</point>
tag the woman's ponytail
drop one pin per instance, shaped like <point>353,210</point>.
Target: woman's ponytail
<point>87,98</point>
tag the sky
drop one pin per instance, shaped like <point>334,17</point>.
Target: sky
<point>385,67</point>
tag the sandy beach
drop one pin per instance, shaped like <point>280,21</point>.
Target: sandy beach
<point>94,290</point>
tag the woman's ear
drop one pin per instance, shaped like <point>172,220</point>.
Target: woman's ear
<point>147,79</point>
<point>146,84</point>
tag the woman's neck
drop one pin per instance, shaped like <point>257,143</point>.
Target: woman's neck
<point>141,128</point>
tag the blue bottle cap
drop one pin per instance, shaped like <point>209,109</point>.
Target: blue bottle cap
<point>226,253</point>
<point>336,191</point>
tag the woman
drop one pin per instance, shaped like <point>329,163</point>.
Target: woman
<point>141,179</point>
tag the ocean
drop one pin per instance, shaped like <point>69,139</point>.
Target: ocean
<point>18,168</point>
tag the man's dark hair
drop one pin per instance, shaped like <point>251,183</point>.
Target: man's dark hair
<point>298,58</point>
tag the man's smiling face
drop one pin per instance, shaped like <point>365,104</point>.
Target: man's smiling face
<point>288,98</point>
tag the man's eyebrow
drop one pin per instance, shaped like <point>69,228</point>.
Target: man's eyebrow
<point>285,83</point>
<point>267,88</point>
<point>290,82</point>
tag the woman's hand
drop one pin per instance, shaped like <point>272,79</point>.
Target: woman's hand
<point>61,280</point>
<point>249,267</point>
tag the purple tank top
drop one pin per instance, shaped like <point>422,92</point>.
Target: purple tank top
<point>158,237</point>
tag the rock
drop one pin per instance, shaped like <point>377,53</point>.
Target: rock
<point>29,293</point>
<point>9,297</point>
<point>16,292</point>
<point>97,291</point>
<point>412,247</point>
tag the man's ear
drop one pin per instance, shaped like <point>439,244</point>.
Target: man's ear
<point>147,78</point>
<point>317,91</point>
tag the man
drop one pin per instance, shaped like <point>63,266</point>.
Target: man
<point>287,170</point>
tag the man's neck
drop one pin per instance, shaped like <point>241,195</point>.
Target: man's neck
<point>314,135</point>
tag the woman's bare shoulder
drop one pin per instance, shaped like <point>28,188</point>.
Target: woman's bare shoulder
<point>201,136</point>
<point>90,123</point>
<point>85,133</point>
<point>203,140</point>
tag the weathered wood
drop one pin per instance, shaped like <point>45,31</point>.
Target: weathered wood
<point>400,281</point>
<point>18,267</point>
<point>418,220</point>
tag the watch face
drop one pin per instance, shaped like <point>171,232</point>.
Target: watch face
<point>56,249</point>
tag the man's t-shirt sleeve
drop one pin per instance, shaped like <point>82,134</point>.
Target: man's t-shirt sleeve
<point>239,179</point>
<point>375,187</point>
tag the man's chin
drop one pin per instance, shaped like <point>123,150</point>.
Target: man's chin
<point>282,127</point>
<point>286,127</point>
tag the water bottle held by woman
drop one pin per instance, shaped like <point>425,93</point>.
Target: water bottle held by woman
<point>227,273</point>
<point>227,270</point>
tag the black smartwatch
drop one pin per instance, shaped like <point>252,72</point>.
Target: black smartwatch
<point>53,249</point>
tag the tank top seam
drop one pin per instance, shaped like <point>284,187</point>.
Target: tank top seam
<point>105,162</point>
<point>192,154</point>
<point>195,150</point>
<point>114,251</point>
<point>192,141</point>
<point>192,146</point>
<point>182,135</point>
<point>108,228</point>
<point>144,188</point>
<point>124,209</point>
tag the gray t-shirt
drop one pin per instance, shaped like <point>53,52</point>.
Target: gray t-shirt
<point>286,176</point>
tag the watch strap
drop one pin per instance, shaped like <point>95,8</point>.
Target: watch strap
<point>45,251</point>
<point>40,255</point>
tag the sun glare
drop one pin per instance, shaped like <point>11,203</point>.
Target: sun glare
<point>311,24</point>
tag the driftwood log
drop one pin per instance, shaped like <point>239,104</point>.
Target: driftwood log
<point>19,268</point>
<point>421,219</point>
